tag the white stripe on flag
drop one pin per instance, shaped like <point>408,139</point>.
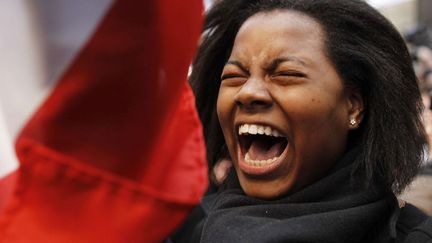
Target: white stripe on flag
<point>8,160</point>
<point>38,39</point>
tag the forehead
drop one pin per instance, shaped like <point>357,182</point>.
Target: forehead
<point>279,32</point>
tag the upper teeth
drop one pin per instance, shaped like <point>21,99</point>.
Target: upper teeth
<point>258,129</point>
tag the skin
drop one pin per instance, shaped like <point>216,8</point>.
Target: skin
<point>279,75</point>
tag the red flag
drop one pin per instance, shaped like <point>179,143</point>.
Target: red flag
<point>116,153</point>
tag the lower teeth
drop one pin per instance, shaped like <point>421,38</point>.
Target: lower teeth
<point>258,163</point>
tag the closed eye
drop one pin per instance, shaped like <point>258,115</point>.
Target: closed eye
<point>290,74</point>
<point>233,79</point>
<point>228,76</point>
<point>288,77</point>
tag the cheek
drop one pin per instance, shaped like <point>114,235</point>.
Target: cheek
<point>323,131</point>
<point>221,108</point>
<point>224,109</point>
<point>319,121</point>
<point>225,106</point>
<point>316,107</point>
<point>322,123</point>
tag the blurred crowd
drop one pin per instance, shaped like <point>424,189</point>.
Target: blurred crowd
<point>419,41</point>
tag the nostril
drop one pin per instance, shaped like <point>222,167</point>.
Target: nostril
<point>253,95</point>
<point>239,104</point>
<point>260,103</point>
<point>253,105</point>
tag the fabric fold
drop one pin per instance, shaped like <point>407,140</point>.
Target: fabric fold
<point>330,210</point>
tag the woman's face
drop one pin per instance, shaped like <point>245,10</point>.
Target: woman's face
<point>283,109</point>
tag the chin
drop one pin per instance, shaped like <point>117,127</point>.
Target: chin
<point>264,194</point>
<point>265,190</point>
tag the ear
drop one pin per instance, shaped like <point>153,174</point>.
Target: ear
<point>356,108</point>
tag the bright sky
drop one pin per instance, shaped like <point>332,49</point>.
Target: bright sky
<point>383,3</point>
<point>375,3</point>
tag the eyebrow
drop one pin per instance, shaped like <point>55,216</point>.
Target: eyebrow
<point>238,64</point>
<point>276,62</point>
<point>273,65</point>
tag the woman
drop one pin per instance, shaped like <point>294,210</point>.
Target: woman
<point>317,106</point>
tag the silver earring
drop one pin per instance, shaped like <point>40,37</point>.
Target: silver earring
<point>353,121</point>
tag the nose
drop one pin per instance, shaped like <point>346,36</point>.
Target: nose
<point>253,96</point>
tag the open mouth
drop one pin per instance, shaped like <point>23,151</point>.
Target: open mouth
<point>261,146</point>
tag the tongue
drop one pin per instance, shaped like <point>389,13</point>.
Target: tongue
<point>263,150</point>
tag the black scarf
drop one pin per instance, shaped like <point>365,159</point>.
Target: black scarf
<point>330,210</point>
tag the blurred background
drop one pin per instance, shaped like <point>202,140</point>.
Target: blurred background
<point>413,18</point>
<point>406,14</point>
